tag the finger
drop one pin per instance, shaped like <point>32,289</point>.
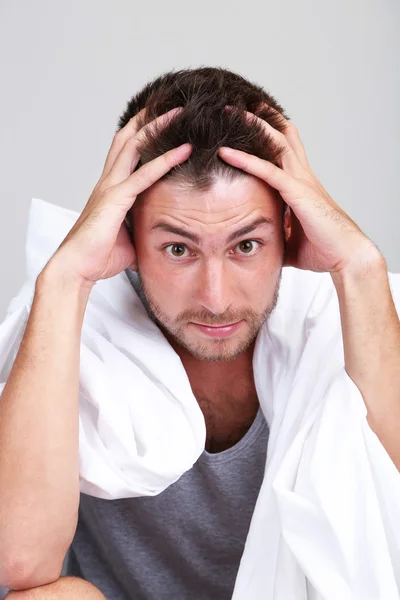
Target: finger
<point>292,135</point>
<point>279,179</point>
<point>119,140</point>
<point>129,155</point>
<point>288,159</point>
<point>124,134</point>
<point>152,171</point>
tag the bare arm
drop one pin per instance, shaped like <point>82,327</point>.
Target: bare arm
<point>39,424</point>
<point>39,470</point>
<point>371,337</point>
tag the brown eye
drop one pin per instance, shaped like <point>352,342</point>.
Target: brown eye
<point>247,246</point>
<point>177,250</point>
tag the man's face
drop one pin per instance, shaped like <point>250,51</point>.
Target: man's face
<point>196,267</point>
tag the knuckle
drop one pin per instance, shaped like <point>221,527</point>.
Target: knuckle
<point>149,171</point>
<point>140,175</point>
<point>133,140</point>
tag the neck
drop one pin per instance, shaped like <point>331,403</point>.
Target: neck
<point>233,378</point>
<point>226,394</point>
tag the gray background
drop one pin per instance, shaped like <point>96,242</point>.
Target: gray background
<point>68,68</point>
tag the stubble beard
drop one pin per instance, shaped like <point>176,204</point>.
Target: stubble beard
<point>217,349</point>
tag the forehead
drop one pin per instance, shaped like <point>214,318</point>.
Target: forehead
<point>224,203</point>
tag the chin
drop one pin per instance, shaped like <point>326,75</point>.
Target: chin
<point>215,350</point>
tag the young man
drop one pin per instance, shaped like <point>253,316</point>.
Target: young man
<point>203,235</point>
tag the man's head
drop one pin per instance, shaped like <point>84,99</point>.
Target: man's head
<point>209,238</point>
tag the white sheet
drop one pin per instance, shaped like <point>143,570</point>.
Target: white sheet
<point>326,525</point>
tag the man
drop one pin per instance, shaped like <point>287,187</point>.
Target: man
<point>212,229</point>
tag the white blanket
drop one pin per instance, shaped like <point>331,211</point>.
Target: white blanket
<point>326,525</point>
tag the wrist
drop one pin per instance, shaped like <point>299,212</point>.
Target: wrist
<point>366,265</point>
<point>56,275</point>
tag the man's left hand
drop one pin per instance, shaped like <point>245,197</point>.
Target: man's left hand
<point>323,237</point>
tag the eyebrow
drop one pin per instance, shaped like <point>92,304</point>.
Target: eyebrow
<point>163,226</point>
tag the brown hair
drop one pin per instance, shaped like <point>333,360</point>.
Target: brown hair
<point>204,92</point>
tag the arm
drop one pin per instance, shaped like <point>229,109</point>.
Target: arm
<point>323,238</point>
<point>39,468</point>
<point>371,337</point>
<point>39,423</point>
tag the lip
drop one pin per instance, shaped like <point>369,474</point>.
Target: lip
<point>215,326</point>
<point>221,331</point>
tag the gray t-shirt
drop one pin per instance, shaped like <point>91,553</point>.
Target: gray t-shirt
<point>183,544</point>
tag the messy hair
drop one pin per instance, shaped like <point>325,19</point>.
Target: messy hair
<point>204,92</point>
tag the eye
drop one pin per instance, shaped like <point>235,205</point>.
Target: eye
<point>247,247</point>
<point>177,250</point>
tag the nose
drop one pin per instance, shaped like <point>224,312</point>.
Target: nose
<point>214,287</point>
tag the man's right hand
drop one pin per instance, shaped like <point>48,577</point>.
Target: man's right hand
<point>98,245</point>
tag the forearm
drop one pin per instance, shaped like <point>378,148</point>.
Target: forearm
<point>371,337</point>
<point>39,464</point>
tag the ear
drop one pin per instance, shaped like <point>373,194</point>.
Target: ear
<point>133,266</point>
<point>128,223</point>
<point>287,222</point>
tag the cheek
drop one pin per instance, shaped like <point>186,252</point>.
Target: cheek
<point>167,286</point>
<point>258,285</point>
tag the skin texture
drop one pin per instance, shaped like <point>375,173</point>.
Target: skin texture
<point>212,282</point>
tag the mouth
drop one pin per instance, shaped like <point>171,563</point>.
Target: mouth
<point>217,330</point>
